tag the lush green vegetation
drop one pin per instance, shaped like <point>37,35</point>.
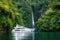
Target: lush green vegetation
<point>9,15</point>
<point>27,7</point>
<point>46,14</point>
<point>50,20</point>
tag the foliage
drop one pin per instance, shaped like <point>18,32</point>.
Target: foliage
<point>9,15</point>
<point>50,21</point>
<point>27,7</point>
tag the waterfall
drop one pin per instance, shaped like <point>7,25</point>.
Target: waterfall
<point>33,23</point>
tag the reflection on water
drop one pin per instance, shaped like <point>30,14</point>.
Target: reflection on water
<point>38,36</point>
<point>22,35</point>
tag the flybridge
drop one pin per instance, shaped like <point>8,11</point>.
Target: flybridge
<point>19,28</point>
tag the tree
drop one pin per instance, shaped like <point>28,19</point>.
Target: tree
<point>50,21</point>
<point>9,15</point>
<point>27,7</point>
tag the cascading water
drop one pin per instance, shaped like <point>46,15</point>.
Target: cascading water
<point>33,23</point>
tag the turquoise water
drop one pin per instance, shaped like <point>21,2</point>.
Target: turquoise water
<point>47,36</point>
<point>38,36</point>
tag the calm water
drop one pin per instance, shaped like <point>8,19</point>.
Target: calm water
<point>29,36</point>
<point>23,35</point>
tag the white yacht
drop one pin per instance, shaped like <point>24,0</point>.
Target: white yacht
<point>23,29</point>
